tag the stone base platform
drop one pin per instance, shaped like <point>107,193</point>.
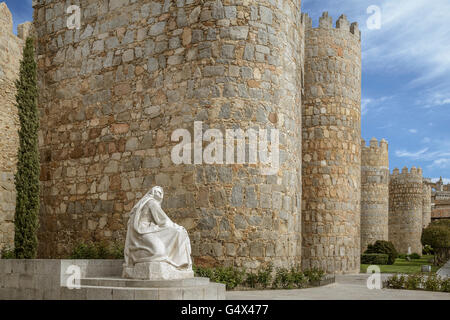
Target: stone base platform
<point>156,271</point>
<point>98,280</point>
<point>126,289</point>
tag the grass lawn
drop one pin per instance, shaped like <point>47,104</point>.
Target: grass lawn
<point>405,266</point>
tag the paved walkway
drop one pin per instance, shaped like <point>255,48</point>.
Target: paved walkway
<point>445,270</point>
<point>347,287</point>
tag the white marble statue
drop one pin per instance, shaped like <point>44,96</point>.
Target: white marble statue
<point>156,248</point>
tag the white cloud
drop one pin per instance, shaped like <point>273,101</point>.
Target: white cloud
<point>412,130</point>
<point>444,180</point>
<point>440,163</point>
<point>373,104</point>
<point>413,155</point>
<point>435,99</point>
<point>364,104</point>
<point>414,38</point>
<point>436,155</point>
<point>414,41</point>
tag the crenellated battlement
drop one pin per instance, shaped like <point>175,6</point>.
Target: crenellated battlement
<point>326,23</point>
<point>413,172</point>
<point>374,146</point>
<point>375,154</point>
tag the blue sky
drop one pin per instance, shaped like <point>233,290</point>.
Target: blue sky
<point>406,75</point>
<point>405,79</point>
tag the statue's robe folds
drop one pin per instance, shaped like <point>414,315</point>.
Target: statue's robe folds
<point>153,237</point>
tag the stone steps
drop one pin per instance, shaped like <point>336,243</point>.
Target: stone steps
<point>127,289</point>
<point>135,283</point>
<point>100,280</point>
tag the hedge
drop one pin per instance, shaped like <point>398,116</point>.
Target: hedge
<point>374,258</point>
<point>386,247</point>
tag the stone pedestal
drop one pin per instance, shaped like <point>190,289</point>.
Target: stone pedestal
<point>156,271</point>
<point>29,279</point>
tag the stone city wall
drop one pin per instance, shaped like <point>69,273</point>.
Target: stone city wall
<point>405,209</point>
<point>10,56</point>
<point>426,204</point>
<point>112,94</point>
<point>374,192</point>
<point>332,146</point>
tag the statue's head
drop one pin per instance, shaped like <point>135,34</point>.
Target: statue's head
<point>158,193</point>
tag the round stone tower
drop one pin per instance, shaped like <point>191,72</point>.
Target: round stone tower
<point>374,192</point>
<point>332,146</point>
<point>405,209</point>
<point>126,99</point>
<point>426,206</point>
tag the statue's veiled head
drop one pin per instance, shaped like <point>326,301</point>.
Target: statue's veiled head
<point>158,193</point>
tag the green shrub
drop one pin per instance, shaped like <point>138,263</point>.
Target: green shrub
<point>419,281</point>
<point>7,253</point>
<point>402,256</point>
<point>84,251</point>
<point>415,255</point>
<point>414,281</point>
<point>26,219</point>
<point>396,281</point>
<point>427,250</point>
<point>203,272</point>
<point>284,278</point>
<point>314,274</point>
<point>251,280</point>
<point>117,250</point>
<point>295,278</point>
<point>445,285</point>
<point>386,247</point>
<point>374,258</point>
<point>432,283</point>
<point>264,276</point>
<point>231,277</point>
<point>101,250</point>
<point>300,279</point>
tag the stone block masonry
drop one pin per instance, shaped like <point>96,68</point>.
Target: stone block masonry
<point>332,146</point>
<point>112,93</point>
<point>10,56</point>
<point>405,209</point>
<point>374,192</point>
<point>426,206</point>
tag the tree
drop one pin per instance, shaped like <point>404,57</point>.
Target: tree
<point>437,235</point>
<point>28,168</point>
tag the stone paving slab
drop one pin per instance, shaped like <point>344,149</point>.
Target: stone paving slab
<point>347,287</point>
